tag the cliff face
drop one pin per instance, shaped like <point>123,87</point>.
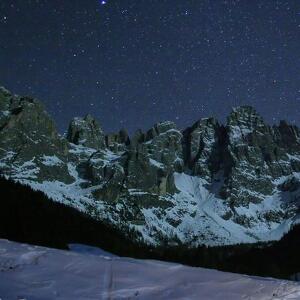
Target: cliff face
<point>208,184</point>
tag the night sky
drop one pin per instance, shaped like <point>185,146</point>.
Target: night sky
<point>131,63</point>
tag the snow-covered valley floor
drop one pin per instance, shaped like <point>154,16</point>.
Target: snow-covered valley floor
<point>37,273</point>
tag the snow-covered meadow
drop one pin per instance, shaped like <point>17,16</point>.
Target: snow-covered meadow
<point>37,273</point>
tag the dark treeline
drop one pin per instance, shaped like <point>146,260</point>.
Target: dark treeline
<point>31,217</point>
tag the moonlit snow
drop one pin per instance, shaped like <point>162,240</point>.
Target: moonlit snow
<point>37,273</point>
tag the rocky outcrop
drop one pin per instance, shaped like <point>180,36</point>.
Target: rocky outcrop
<point>152,161</point>
<point>258,156</point>
<point>202,146</point>
<point>251,151</point>
<point>29,142</point>
<point>117,142</point>
<point>210,183</point>
<point>86,132</point>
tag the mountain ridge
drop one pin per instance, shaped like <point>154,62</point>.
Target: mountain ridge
<point>209,184</point>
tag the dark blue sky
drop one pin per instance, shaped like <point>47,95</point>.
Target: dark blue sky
<point>133,63</point>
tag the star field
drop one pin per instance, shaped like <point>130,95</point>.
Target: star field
<point>131,63</point>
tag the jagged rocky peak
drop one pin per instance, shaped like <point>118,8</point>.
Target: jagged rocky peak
<point>137,138</point>
<point>5,102</point>
<point>150,161</point>
<point>246,128</point>
<point>159,128</point>
<point>25,122</point>
<point>250,146</point>
<point>202,147</point>
<point>257,156</point>
<point>288,136</point>
<point>163,144</point>
<point>244,114</point>
<point>86,132</point>
<point>5,98</point>
<point>165,126</point>
<point>243,121</point>
<point>117,142</point>
<point>4,91</point>
<point>30,145</point>
<point>10,102</point>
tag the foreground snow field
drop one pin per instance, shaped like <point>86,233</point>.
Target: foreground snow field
<point>37,273</point>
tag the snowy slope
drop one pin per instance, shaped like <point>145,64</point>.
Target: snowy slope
<point>199,214</point>
<point>31,273</point>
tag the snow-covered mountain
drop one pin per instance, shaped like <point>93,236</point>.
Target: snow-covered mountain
<point>210,184</point>
<point>31,272</point>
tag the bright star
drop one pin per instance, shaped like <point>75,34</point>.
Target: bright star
<point>103,2</point>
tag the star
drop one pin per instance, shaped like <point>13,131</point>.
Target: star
<point>146,61</point>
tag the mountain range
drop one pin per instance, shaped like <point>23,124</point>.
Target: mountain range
<point>209,184</point>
